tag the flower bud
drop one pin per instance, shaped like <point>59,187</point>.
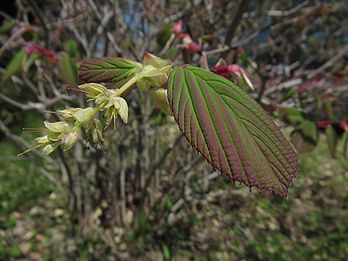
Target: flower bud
<point>42,140</point>
<point>150,59</point>
<point>188,43</point>
<point>85,116</point>
<point>56,127</point>
<point>69,139</point>
<point>48,149</point>
<point>155,72</point>
<point>68,113</point>
<point>122,106</point>
<point>151,76</point>
<point>117,105</point>
<point>178,27</point>
<point>93,90</point>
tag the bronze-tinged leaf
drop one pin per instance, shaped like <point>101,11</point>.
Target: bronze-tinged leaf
<point>231,130</point>
<point>108,69</point>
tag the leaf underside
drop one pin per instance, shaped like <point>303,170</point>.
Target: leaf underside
<point>107,69</point>
<point>231,130</point>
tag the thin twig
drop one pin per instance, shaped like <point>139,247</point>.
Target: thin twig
<point>330,62</point>
<point>42,20</point>
<point>237,18</point>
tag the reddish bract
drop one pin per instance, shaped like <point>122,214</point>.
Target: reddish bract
<point>34,48</point>
<point>228,71</point>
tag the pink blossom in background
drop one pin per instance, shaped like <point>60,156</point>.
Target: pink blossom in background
<point>324,124</point>
<point>188,43</point>
<point>228,71</point>
<point>184,36</point>
<point>316,83</point>
<point>235,73</point>
<point>301,89</point>
<point>222,70</point>
<point>344,125</point>
<point>193,47</point>
<point>178,27</point>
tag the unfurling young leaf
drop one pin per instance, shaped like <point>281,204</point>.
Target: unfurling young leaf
<point>154,73</point>
<point>108,69</point>
<point>231,130</point>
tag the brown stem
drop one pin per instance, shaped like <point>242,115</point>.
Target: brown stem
<point>234,25</point>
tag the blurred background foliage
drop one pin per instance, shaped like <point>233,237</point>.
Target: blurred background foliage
<point>149,196</point>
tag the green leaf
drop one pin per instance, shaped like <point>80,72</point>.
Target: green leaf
<point>7,26</point>
<point>68,71</point>
<point>329,109</point>
<point>15,251</point>
<point>71,47</point>
<point>293,115</point>
<point>30,61</point>
<point>345,145</point>
<point>14,66</point>
<point>288,93</point>
<point>231,130</point>
<point>309,130</point>
<point>166,252</point>
<point>104,69</point>
<point>164,34</point>
<point>172,53</point>
<point>331,137</point>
